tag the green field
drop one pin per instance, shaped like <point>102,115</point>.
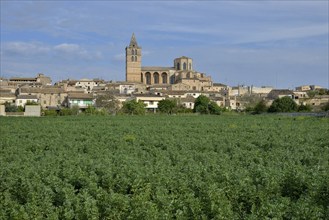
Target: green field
<point>164,167</point>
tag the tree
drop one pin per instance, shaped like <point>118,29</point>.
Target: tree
<point>304,108</point>
<point>167,106</point>
<point>133,107</point>
<point>214,109</point>
<point>203,105</point>
<point>326,107</point>
<point>284,104</point>
<point>108,102</point>
<point>260,107</point>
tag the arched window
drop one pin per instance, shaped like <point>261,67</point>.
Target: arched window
<point>178,66</point>
<point>172,79</point>
<point>132,59</point>
<point>142,77</point>
<point>184,66</point>
<point>135,58</point>
<point>148,78</point>
<point>156,78</point>
<point>135,51</point>
<point>164,77</point>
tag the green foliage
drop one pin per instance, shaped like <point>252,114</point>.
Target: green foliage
<point>304,108</point>
<point>260,107</point>
<point>160,167</point>
<point>167,106</point>
<point>108,102</point>
<point>13,108</point>
<point>214,109</point>
<point>284,104</point>
<point>50,113</point>
<point>90,110</point>
<point>133,107</point>
<point>31,103</point>
<point>203,105</point>
<point>325,107</point>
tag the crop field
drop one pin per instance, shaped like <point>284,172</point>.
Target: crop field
<point>164,167</point>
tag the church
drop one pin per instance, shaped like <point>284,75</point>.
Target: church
<point>181,76</point>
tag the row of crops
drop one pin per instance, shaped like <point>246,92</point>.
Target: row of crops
<point>164,167</point>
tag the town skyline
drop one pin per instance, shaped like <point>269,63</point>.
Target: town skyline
<point>279,44</point>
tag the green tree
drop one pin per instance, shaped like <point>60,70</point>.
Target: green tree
<point>326,107</point>
<point>108,102</point>
<point>31,103</point>
<point>10,108</point>
<point>167,106</point>
<point>214,109</point>
<point>201,105</point>
<point>284,104</point>
<point>133,107</point>
<point>304,108</point>
<point>260,107</point>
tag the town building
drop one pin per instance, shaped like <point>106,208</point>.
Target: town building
<point>181,76</point>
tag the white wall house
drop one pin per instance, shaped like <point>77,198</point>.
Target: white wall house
<point>151,101</point>
<point>82,100</point>
<point>21,100</point>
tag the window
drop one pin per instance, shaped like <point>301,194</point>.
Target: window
<point>151,103</point>
<point>148,78</point>
<point>178,66</point>
<point>132,58</point>
<point>164,78</point>
<point>156,78</point>
<point>184,66</point>
<point>190,66</point>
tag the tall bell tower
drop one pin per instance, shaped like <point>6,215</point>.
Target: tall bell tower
<point>133,61</point>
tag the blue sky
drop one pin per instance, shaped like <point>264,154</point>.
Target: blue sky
<point>274,43</point>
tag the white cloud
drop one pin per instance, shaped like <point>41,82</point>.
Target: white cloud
<point>25,48</point>
<point>75,51</point>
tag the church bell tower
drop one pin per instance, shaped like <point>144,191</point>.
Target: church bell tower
<point>133,61</point>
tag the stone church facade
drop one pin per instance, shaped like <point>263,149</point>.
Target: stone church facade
<point>181,76</point>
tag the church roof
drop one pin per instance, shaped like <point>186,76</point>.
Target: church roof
<point>156,68</point>
<point>133,41</point>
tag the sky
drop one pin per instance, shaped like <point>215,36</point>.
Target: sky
<point>279,43</point>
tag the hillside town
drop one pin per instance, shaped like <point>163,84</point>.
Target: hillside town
<point>149,84</point>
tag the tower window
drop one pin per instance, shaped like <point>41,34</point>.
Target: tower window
<point>178,66</point>
<point>184,66</point>
<point>132,58</point>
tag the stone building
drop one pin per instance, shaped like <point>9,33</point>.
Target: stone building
<point>181,76</point>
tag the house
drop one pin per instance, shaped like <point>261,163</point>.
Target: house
<point>48,96</point>
<point>40,78</point>
<point>151,101</point>
<point>279,93</point>
<point>22,100</point>
<point>188,102</point>
<point>7,97</point>
<point>81,100</point>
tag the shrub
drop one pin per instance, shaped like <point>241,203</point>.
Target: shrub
<point>284,104</point>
